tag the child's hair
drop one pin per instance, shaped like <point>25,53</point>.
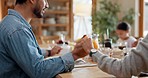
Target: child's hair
<point>123,26</point>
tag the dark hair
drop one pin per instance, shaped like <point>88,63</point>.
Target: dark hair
<point>123,26</point>
<point>20,1</point>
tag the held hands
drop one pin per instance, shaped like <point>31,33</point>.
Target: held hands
<point>55,50</point>
<point>82,48</point>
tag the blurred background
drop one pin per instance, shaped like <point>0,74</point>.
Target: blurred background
<point>72,19</point>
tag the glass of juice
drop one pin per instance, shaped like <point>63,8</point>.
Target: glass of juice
<point>95,41</point>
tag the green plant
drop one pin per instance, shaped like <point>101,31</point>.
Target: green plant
<point>129,16</point>
<point>106,18</point>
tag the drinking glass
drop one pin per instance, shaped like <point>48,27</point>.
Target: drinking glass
<point>62,35</point>
<point>95,41</point>
<point>122,45</point>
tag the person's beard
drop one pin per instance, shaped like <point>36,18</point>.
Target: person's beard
<point>37,12</point>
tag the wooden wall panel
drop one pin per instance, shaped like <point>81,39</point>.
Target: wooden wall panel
<point>141,9</point>
<point>4,7</point>
<point>1,9</point>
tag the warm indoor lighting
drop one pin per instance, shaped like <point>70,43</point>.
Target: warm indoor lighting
<point>146,0</point>
<point>82,18</point>
<point>83,9</point>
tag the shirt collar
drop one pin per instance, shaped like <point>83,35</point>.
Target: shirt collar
<point>19,16</point>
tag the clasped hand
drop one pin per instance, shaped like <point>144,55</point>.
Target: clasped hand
<point>82,48</point>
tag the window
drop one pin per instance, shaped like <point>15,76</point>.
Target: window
<point>82,17</point>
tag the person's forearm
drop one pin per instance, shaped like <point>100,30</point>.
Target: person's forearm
<point>130,65</point>
<point>68,61</point>
<point>50,67</point>
<point>110,65</point>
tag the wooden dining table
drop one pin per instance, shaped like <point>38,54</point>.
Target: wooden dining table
<point>91,71</point>
<point>88,70</point>
<point>85,72</point>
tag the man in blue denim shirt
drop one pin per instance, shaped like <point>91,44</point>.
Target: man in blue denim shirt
<point>20,55</point>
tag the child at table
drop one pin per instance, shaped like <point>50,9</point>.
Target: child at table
<point>123,32</point>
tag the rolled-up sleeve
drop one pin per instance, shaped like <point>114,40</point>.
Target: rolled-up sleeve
<point>68,61</point>
<point>26,53</point>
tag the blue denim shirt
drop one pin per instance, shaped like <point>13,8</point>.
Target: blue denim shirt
<point>20,54</point>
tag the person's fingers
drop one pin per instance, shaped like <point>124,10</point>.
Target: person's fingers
<point>55,50</point>
<point>87,45</point>
<point>57,47</point>
<point>59,50</point>
<point>79,44</point>
<point>79,40</point>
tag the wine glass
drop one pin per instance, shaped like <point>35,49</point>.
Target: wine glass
<point>62,35</point>
<point>122,45</point>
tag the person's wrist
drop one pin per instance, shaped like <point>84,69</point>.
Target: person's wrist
<point>92,51</point>
<point>49,53</point>
<point>75,56</point>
